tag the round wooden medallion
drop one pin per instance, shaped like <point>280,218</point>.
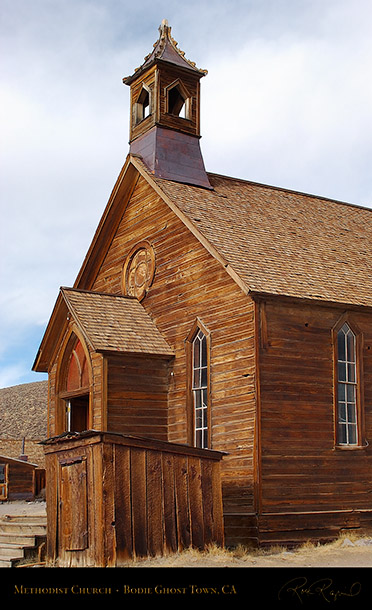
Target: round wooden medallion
<point>139,270</point>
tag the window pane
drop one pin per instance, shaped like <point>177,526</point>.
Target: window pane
<point>352,434</point>
<point>198,438</point>
<point>351,372</point>
<point>205,439</point>
<point>196,352</point>
<point>341,345</point>
<point>204,377</point>
<point>350,393</point>
<point>205,422</point>
<point>198,418</point>
<point>204,351</point>
<point>342,433</point>
<point>351,413</point>
<point>341,371</point>
<point>342,392</point>
<point>197,399</point>
<point>196,378</point>
<point>350,347</point>
<point>341,412</point>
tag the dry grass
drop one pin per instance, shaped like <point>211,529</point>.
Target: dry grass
<point>349,549</point>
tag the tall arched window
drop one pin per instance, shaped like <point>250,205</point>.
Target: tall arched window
<point>349,399</point>
<point>347,412</point>
<point>199,387</point>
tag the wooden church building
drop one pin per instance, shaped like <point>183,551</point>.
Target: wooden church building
<point>222,316</point>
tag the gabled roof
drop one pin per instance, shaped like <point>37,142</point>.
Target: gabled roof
<point>283,242</point>
<point>166,50</point>
<point>108,322</point>
<point>270,240</point>
<point>115,323</point>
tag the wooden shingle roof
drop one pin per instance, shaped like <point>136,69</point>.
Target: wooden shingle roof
<point>280,242</point>
<point>115,323</point>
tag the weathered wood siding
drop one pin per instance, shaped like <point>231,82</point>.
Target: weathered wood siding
<point>20,479</point>
<point>301,469</point>
<point>189,283</point>
<point>137,396</point>
<point>112,498</point>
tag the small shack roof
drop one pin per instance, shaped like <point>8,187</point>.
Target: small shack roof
<point>9,460</point>
<point>108,322</point>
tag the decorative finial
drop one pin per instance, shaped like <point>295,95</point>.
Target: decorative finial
<point>164,28</point>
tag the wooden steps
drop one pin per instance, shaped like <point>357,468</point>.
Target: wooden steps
<point>22,539</point>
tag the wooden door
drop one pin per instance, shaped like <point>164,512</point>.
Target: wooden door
<point>73,508</point>
<point>3,481</point>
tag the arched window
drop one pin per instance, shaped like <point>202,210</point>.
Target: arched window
<point>77,373</point>
<point>349,429</point>
<point>347,414</point>
<point>199,387</point>
<point>74,394</point>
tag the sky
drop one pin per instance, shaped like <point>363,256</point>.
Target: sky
<point>287,102</point>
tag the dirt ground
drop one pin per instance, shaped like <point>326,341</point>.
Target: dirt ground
<point>349,550</point>
<point>22,508</point>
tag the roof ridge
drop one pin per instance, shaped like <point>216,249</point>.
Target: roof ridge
<point>288,190</point>
<point>98,293</point>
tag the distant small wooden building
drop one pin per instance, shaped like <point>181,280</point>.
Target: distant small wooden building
<point>225,315</point>
<point>18,479</point>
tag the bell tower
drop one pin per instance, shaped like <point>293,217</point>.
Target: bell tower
<point>165,113</point>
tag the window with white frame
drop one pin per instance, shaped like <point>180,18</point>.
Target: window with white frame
<point>347,412</point>
<point>200,389</point>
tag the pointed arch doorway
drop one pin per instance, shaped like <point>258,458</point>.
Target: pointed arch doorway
<point>74,381</point>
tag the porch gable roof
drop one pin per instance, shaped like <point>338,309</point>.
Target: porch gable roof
<point>109,323</point>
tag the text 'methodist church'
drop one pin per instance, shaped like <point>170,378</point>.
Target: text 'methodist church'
<point>224,315</point>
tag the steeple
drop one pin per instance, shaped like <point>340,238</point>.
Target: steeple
<point>165,112</point>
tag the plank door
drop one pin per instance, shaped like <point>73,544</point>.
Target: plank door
<point>3,481</point>
<point>73,524</point>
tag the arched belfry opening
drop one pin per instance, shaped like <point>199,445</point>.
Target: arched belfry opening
<point>142,108</point>
<point>178,102</point>
<point>165,113</point>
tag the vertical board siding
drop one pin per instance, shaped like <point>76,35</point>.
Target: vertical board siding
<point>144,500</point>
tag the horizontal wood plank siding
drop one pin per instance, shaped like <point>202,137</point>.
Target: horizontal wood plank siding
<point>301,469</point>
<point>137,393</point>
<point>189,284</point>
